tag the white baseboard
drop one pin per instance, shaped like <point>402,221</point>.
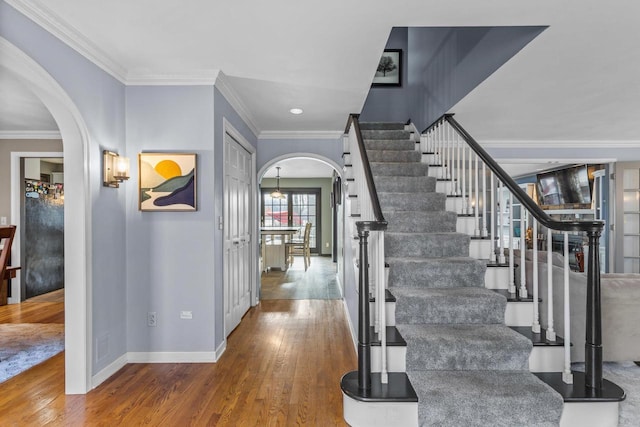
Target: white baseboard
<point>354,337</point>
<point>109,370</point>
<point>172,357</point>
<point>220,350</point>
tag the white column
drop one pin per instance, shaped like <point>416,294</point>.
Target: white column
<point>567,376</point>
<point>551,333</point>
<point>535,327</point>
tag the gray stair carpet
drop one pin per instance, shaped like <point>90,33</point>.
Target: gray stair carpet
<point>466,366</point>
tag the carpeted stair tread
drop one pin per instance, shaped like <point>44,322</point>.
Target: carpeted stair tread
<point>389,144</point>
<point>402,156</point>
<point>381,126</point>
<point>464,347</point>
<point>448,305</point>
<point>390,202</point>
<point>415,184</point>
<point>430,245</point>
<point>384,169</point>
<point>421,222</point>
<point>449,272</point>
<point>385,134</point>
<point>484,398</point>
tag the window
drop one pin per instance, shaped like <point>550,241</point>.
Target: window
<point>299,206</point>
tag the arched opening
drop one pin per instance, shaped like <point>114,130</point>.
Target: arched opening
<point>300,261</point>
<point>77,212</point>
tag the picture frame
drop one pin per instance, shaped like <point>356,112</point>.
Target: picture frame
<point>167,182</point>
<point>389,72</point>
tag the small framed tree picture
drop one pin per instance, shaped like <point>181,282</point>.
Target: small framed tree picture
<point>389,72</point>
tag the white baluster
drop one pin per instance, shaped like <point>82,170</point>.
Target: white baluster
<point>551,333</point>
<point>523,249</point>
<point>492,255</point>
<point>484,198</point>
<point>535,327</point>
<point>459,167</point>
<point>501,258</point>
<point>476,199</point>
<point>465,200</point>
<point>441,152</point>
<point>512,284</point>
<point>380,298</point>
<point>567,376</point>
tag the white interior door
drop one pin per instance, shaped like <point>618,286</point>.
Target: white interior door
<point>237,232</point>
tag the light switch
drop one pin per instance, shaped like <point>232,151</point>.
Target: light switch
<point>3,220</point>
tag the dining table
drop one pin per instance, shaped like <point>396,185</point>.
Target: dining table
<point>274,249</point>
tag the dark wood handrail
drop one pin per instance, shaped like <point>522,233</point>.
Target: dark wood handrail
<point>542,217</point>
<point>377,210</point>
<point>593,229</point>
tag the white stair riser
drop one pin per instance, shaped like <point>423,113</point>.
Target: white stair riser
<point>546,359</point>
<point>496,278</point>
<point>382,414</point>
<point>480,248</point>
<point>519,314</point>
<point>444,186</point>
<point>390,308</point>
<point>580,414</point>
<point>435,171</point>
<point>456,204</point>
<point>396,358</point>
<point>429,159</point>
<point>466,225</point>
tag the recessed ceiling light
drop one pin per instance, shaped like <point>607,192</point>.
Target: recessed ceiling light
<point>296,111</point>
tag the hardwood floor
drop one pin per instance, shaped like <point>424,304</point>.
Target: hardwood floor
<point>282,366</point>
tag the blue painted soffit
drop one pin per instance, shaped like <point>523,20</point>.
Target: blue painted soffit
<point>441,66</point>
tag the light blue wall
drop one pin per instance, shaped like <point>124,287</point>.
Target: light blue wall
<point>100,99</point>
<point>270,149</point>
<point>170,254</point>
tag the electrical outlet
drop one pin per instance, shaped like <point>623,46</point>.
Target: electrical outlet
<point>3,220</point>
<point>327,244</point>
<point>152,319</point>
<point>186,314</point>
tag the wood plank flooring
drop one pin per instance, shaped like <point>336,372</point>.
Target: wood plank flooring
<point>282,366</point>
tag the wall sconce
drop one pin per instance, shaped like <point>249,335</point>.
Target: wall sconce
<point>115,169</point>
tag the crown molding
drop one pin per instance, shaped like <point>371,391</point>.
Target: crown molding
<point>224,86</point>
<point>30,134</point>
<point>48,20</point>
<point>301,134</point>
<point>204,78</point>
<point>559,144</point>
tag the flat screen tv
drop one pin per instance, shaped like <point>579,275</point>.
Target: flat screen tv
<point>570,188</point>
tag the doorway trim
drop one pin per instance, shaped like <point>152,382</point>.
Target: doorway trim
<point>78,243</point>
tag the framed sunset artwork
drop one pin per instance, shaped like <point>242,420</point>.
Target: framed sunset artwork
<point>167,182</point>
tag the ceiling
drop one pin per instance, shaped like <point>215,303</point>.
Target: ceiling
<point>299,167</point>
<point>577,81</point>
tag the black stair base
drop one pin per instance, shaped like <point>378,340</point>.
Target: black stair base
<point>398,389</point>
<point>538,339</point>
<point>394,339</point>
<point>579,392</point>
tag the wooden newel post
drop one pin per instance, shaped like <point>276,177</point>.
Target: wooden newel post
<point>593,339</point>
<point>364,342</point>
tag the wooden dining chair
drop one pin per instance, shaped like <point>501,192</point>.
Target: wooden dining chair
<point>301,247</point>
<point>6,237</point>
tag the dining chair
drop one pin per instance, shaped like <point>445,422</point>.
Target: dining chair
<point>301,247</point>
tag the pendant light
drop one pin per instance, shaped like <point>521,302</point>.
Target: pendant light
<point>277,194</point>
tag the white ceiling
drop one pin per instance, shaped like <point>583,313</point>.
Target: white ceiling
<point>578,81</point>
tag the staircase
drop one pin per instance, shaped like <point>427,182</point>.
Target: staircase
<point>466,366</point>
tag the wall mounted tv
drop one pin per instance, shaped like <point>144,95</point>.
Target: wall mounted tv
<point>568,188</point>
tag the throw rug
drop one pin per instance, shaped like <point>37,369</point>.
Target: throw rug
<point>23,345</point>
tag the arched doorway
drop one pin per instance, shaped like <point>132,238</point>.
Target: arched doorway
<point>308,196</point>
<point>76,151</point>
